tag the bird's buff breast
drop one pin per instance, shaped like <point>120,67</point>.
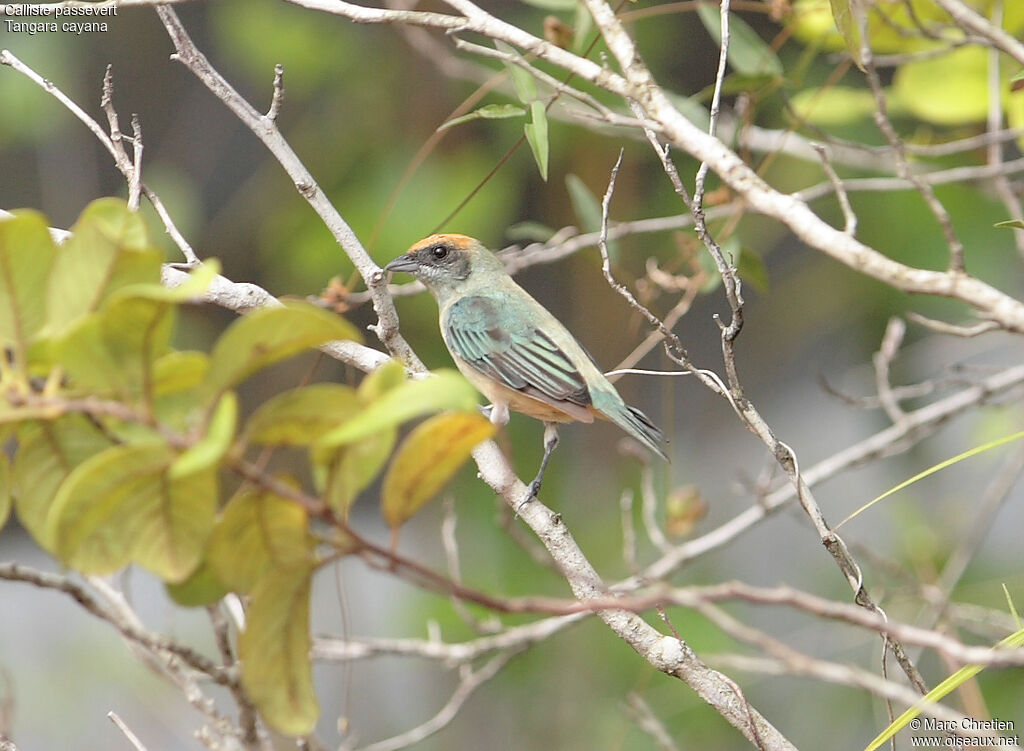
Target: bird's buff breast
<point>520,402</point>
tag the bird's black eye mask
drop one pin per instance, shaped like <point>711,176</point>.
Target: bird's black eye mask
<point>443,256</point>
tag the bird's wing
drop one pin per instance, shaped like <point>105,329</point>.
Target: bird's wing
<point>501,343</point>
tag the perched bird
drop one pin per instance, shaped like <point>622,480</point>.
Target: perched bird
<point>512,349</point>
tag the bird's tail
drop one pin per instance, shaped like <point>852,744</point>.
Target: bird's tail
<point>638,425</point>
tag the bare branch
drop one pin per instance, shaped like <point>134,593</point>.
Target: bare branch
<point>469,681</point>
<point>970,20</point>
<point>266,130</point>
<point>956,248</point>
<point>897,438</point>
<point>117,152</point>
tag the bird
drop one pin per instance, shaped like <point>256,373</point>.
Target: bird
<point>512,349</point>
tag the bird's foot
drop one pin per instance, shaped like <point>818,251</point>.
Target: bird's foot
<point>550,441</point>
<point>531,492</point>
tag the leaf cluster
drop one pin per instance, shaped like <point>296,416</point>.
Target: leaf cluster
<point>120,443</point>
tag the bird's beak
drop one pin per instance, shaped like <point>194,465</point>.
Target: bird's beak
<point>406,263</point>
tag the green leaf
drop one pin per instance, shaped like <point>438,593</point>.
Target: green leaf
<point>26,254</point>
<point>258,532</point>
<point>587,208</point>
<point>950,684</point>
<point>113,350</point>
<point>833,105</point>
<point>846,23</point>
<point>1012,608</point>
<point>111,218</point>
<point>738,83</point>
<point>340,473</point>
<point>268,335</point>
<point>487,112</point>
<point>192,287</point>
<point>277,672</point>
<point>585,204</point>
<point>748,53</point>
<point>5,490</point>
<point>525,86</point>
<point>178,379</point>
<point>383,379</point>
<point>529,232</point>
<point>537,136</point>
<point>120,506</point>
<point>197,282</point>
<point>691,108</point>
<point>211,448</point>
<point>988,446</point>
<point>446,389</point>
<point>201,588</point>
<point>752,270</point>
<point>179,370</point>
<point>947,90</point>
<point>427,459</point>
<point>710,269</point>
<point>300,416</point>
<point>107,250</point>
<point>1014,223</point>
<point>582,24</point>
<point>46,454</point>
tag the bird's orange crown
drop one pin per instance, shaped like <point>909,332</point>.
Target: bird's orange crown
<point>461,242</point>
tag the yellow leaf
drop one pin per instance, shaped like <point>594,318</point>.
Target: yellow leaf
<point>947,90</point>
<point>257,532</point>
<point>5,490</point>
<point>277,672</point>
<point>427,459</point>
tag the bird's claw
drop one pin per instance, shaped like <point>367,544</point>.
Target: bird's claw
<point>531,492</point>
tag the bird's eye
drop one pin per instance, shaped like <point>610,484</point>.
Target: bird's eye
<point>439,252</point>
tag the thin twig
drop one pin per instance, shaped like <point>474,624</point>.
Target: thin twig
<point>469,681</point>
<point>891,341</point>
<point>673,347</point>
<point>885,126</point>
<point>850,218</point>
<point>952,329</point>
<point>120,159</point>
<point>278,96</point>
<point>648,722</point>
<point>132,738</point>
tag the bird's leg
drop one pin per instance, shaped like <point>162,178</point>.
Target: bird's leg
<point>497,413</point>
<point>550,441</point>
